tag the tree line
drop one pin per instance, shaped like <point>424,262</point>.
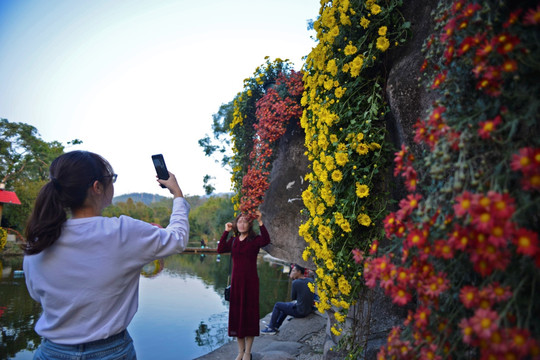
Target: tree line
<point>24,168</point>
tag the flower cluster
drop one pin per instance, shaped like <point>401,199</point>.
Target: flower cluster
<point>3,237</point>
<point>275,110</point>
<point>243,129</point>
<point>345,143</point>
<point>464,246</point>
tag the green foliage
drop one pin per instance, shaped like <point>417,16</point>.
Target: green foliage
<point>207,217</point>
<point>24,167</point>
<point>157,212</point>
<point>208,220</point>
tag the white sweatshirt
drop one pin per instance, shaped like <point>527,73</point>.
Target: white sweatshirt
<point>88,281</point>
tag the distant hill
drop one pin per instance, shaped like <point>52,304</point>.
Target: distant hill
<point>148,199</point>
<point>145,198</point>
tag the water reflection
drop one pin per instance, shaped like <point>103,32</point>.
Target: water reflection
<point>182,313</point>
<point>19,315</point>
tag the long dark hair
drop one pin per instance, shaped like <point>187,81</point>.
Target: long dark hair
<point>71,175</point>
<point>251,233</point>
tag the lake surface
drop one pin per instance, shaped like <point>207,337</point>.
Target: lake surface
<point>182,313</point>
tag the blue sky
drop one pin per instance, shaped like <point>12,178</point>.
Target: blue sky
<point>140,77</point>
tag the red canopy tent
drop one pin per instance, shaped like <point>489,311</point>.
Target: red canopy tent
<point>7,197</point>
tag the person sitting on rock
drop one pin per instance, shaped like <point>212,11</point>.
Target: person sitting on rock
<point>302,303</point>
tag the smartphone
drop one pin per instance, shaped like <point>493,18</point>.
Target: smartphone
<point>161,168</point>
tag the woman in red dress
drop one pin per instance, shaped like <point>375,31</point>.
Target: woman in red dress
<point>244,303</point>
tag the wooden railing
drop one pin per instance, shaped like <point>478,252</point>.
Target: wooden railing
<point>199,250</point>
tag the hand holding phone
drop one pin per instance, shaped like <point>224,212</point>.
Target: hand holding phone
<point>161,168</point>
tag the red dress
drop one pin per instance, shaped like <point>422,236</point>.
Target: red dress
<point>244,303</point>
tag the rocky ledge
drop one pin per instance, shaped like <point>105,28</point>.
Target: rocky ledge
<point>298,338</point>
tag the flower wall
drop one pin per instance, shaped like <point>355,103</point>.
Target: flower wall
<point>462,250</point>
<point>464,247</point>
<point>343,119</point>
<point>269,101</point>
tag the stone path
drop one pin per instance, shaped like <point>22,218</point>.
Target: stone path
<point>301,338</point>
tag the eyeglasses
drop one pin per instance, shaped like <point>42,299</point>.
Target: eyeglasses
<point>113,176</point>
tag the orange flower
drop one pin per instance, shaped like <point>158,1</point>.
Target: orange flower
<point>439,79</point>
<point>443,249</point>
<point>527,160</point>
<point>526,242</point>
<point>507,43</point>
<point>484,323</point>
<point>416,238</point>
<point>400,295</point>
<point>471,9</point>
<point>467,331</point>
<point>488,126</point>
<point>486,48</point>
<point>407,205</point>
<point>513,18</point>
<point>519,341</point>
<point>465,45</point>
<point>463,204</point>
<point>509,65</point>
<point>532,17</point>
<point>468,295</point>
<point>421,317</point>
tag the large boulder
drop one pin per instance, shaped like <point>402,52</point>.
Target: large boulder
<point>283,200</point>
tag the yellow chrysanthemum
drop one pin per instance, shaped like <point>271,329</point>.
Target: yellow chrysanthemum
<point>335,331</point>
<point>305,254</point>
<point>337,176</point>
<point>350,49</point>
<point>382,30</point>
<point>331,67</point>
<point>343,304</point>
<point>339,92</point>
<point>382,43</point>
<point>320,209</point>
<point>344,285</point>
<point>356,65</point>
<point>375,9</point>
<point>364,22</point>
<point>342,158</point>
<point>362,149</point>
<point>328,84</point>
<point>364,219</point>
<point>330,264</point>
<point>339,317</point>
<point>345,226</point>
<point>362,190</point>
<point>330,163</point>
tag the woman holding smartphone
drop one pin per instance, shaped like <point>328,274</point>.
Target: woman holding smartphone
<point>84,268</point>
<point>244,303</point>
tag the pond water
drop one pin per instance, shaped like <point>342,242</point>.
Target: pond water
<point>182,313</point>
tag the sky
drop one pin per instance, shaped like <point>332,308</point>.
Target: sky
<point>133,78</point>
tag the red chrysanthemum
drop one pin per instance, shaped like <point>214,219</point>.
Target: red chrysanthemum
<point>532,17</point>
<point>526,242</point>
